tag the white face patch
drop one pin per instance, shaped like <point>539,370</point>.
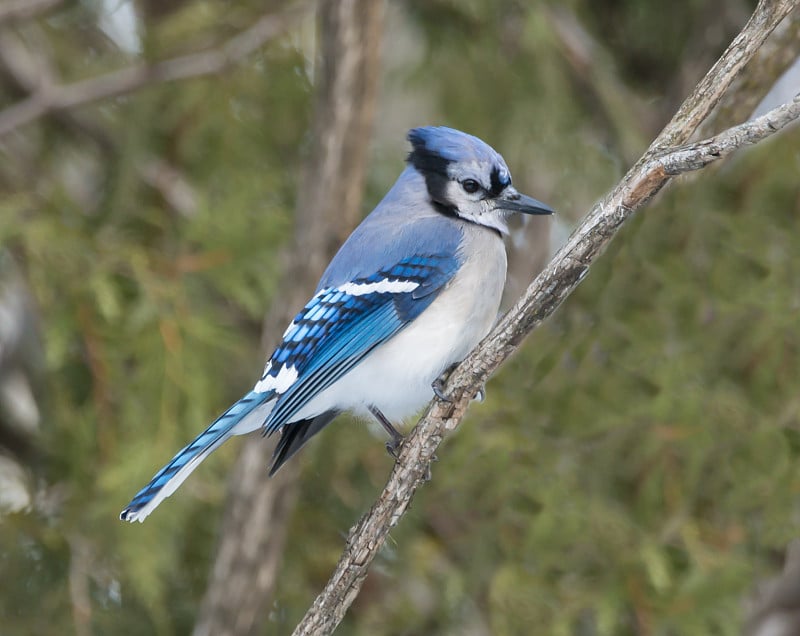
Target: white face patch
<point>280,383</point>
<point>384,286</point>
<point>475,209</point>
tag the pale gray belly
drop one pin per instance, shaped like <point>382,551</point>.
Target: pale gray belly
<point>397,376</point>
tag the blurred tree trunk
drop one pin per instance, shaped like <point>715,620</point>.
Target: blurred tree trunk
<point>328,207</point>
<point>21,360</point>
<point>773,607</point>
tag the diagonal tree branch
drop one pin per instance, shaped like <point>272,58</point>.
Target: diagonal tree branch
<point>58,98</point>
<point>664,159</point>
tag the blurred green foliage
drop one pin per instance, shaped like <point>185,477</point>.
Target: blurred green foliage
<point>633,468</point>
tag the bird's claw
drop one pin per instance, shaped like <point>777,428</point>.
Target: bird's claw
<point>393,447</point>
<point>438,384</point>
<point>438,390</point>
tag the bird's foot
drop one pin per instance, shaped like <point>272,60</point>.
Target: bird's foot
<point>393,447</point>
<point>438,387</point>
<point>394,444</point>
<point>438,384</point>
<point>438,390</point>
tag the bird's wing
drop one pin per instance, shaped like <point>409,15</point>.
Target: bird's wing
<point>340,325</point>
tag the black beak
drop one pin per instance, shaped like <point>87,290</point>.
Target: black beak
<point>513,201</point>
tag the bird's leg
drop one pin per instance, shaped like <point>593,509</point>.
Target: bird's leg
<point>392,446</point>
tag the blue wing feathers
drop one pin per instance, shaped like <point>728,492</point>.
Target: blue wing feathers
<point>333,358</point>
<point>220,430</point>
<point>337,330</point>
<point>332,334</point>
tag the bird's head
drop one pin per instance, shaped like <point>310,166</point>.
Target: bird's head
<point>467,178</point>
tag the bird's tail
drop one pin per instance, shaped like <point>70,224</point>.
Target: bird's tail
<point>246,415</point>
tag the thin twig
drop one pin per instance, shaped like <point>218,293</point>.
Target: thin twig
<point>659,164</point>
<point>211,62</point>
<point>698,155</point>
<point>746,92</point>
<point>14,10</point>
<point>709,91</point>
<point>31,71</point>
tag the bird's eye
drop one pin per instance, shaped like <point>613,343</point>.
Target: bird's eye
<point>470,186</point>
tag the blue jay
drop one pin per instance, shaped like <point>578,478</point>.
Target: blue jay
<point>413,289</point>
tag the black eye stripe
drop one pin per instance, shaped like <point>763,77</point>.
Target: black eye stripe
<point>499,181</point>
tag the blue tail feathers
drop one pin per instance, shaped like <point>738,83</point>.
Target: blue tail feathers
<point>246,415</point>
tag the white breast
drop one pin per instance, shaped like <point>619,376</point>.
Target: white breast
<point>397,376</point>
